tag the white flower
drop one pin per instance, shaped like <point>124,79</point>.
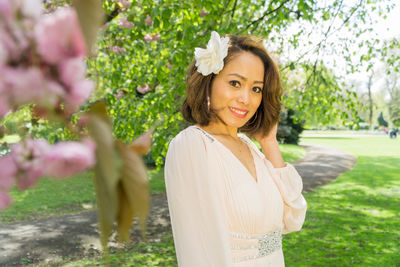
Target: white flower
<point>211,59</point>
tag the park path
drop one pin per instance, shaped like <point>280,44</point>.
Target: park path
<point>52,239</point>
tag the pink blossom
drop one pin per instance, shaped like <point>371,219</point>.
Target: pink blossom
<point>3,53</point>
<point>117,49</point>
<point>6,10</point>
<point>79,93</point>
<point>5,200</point>
<point>4,107</point>
<point>59,36</point>
<point>203,13</point>
<point>119,94</point>
<point>28,178</point>
<point>28,85</point>
<point>55,92</point>
<point>123,22</point>
<point>32,8</point>
<point>28,156</point>
<point>24,85</point>
<point>7,173</point>
<point>83,121</point>
<point>144,89</point>
<point>148,38</point>
<point>72,70</point>
<point>9,45</point>
<point>69,158</point>
<point>148,21</point>
<point>156,37</point>
<point>125,4</point>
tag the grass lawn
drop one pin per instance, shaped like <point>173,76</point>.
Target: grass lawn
<point>355,220</point>
<point>59,197</point>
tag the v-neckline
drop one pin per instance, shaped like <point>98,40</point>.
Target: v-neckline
<point>255,179</point>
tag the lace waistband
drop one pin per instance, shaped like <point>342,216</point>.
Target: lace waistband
<point>263,245</point>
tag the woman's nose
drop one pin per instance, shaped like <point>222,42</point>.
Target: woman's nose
<point>244,96</point>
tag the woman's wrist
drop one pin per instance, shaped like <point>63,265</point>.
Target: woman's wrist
<point>272,152</point>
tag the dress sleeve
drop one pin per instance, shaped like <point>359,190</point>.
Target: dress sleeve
<point>290,186</point>
<point>200,234</point>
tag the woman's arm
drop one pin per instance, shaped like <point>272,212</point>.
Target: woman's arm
<point>270,148</point>
<point>200,234</point>
<point>287,180</point>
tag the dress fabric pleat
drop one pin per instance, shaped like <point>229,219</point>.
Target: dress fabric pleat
<point>219,211</point>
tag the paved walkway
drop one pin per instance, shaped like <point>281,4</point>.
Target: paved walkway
<point>55,238</point>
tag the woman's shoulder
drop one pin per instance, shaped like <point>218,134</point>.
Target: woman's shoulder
<point>191,135</point>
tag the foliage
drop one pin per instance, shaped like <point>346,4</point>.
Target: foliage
<point>382,121</point>
<point>145,49</point>
<point>42,59</point>
<point>314,91</point>
<point>391,59</point>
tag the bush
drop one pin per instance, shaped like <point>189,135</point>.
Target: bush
<point>289,130</point>
<point>382,121</point>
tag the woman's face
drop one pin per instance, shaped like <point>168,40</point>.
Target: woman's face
<point>236,92</point>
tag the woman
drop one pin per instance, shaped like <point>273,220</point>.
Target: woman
<point>229,202</point>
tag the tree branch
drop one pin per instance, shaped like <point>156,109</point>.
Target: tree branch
<point>234,8</point>
<point>266,13</point>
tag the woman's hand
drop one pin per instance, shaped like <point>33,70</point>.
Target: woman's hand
<point>270,147</point>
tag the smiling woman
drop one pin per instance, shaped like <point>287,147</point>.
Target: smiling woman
<point>250,57</point>
<point>229,202</point>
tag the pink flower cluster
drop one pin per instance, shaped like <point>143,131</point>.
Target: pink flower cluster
<point>32,159</point>
<point>148,21</point>
<point>41,58</point>
<point>203,13</point>
<point>124,23</point>
<point>125,4</point>
<point>117,49</point>
<point>144,88</point>
<point>149,38</point>
<point>42,61</point>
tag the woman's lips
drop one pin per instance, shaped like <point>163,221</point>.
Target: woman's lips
<point>240,113</point>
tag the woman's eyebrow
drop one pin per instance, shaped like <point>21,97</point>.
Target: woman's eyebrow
<point>243,78</point>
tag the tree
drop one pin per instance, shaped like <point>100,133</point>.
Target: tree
<point>42,61</point>
<point>145,49</point>
<point>371,105</point>
<point>382,121</point>
<point>391,58</point>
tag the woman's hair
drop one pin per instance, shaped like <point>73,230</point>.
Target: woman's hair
<point>195,107</point>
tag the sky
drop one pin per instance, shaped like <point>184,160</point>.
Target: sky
<point>383,29</point>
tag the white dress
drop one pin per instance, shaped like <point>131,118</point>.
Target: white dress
<point>220,215</point>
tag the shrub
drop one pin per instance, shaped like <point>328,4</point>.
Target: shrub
<point>289,130</point>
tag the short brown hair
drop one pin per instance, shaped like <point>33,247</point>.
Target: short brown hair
<point>195,107</point>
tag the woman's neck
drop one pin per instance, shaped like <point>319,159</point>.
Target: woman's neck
<point>218,128</point>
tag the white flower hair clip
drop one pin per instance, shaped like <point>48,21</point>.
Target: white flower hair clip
<point>211,59</point>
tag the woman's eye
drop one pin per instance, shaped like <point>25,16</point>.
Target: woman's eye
<point>257,89</point>
<point>235,83</point>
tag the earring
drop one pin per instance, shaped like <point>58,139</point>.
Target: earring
<point>208,103</point>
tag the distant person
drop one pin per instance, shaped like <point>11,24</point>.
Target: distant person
<point>393,133</point>
<point>229,202</point>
